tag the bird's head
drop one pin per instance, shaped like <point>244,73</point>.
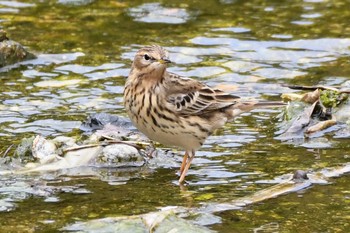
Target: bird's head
<point>151,59</point>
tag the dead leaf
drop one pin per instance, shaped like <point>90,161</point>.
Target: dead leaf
<point>311,97</point>
<point>320,126</point>
<point>291,97</point>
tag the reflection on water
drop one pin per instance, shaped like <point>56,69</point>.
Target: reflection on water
<point>247,47</point>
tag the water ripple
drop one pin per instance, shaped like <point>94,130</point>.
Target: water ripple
<point>156,13</point>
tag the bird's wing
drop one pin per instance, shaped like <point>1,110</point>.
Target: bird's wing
<point>191,97</point>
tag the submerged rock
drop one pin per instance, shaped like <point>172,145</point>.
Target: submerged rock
<point>162,221</point>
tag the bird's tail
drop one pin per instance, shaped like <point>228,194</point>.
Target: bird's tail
<point>252,104</point>
<point>246,106</point>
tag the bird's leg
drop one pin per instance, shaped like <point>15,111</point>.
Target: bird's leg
<point>184,161</point>
<point>188,164</point>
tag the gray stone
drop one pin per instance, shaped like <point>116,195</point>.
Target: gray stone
<point>120,155</point>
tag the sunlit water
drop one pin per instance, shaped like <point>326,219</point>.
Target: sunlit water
<point>249,48</point>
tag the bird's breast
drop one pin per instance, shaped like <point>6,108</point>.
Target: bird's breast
<point>151,116</point>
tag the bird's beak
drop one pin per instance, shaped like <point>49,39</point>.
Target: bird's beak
<point>164,61</point>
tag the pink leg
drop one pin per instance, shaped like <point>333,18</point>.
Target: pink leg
<point>188,164</point>
<point>184,161</point>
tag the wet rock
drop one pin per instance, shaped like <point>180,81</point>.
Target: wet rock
<point>44,150</point>
<point>110,131</point>
<point>99,120</point>
<point>11,51</point>
<point>206,219</point>
<point>162,158</point>
<point>120,155</point>
<point>107,126</point>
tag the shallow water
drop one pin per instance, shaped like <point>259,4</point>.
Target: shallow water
<point>250,48</point>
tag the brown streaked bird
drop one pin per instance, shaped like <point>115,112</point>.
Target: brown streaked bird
<point>175,110</point>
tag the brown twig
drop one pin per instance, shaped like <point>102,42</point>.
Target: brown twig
<point>75,148</point>
<point>130,143</point>
<point>105,143</point>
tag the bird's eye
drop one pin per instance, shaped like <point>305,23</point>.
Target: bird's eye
<point>147,57</point>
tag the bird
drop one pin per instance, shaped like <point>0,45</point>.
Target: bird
<point>174,110</point>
